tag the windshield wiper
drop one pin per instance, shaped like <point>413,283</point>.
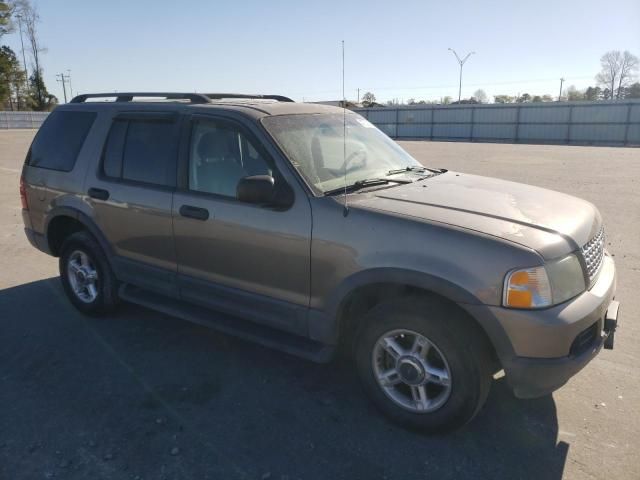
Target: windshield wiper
<point>414,169</point>
<point>368,182</point>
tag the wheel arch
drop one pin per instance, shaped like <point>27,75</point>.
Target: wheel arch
<point>364,290</point>
<point>64,221</point>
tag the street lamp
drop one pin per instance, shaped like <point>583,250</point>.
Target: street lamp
<point>461,62</point>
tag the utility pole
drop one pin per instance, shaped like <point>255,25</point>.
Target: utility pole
<point>63,79</point>
<point>461,62</point>
<point>560,94</point>
<point>358,95</point>
<point>69,80</point>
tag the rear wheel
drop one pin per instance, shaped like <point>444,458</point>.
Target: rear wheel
<point>423,363</point>
<point>86,275</point>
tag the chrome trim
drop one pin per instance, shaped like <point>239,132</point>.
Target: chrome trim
<point>593,255</point>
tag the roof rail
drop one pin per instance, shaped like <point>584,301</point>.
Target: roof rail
<point>192,97</point>
<point>128,96</point>
<point>221,96</point>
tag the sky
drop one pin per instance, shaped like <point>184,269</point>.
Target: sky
<point>397,50</point>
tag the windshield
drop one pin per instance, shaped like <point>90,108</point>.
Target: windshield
<point>318,149</point>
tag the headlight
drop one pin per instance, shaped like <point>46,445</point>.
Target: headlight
<point>567,278</point>
<point>540,287</point>
<point>527,288</point>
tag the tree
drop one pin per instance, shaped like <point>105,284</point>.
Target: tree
<point>628,68</point>
<point>593,93</point>
<point>5,76</point>
<point>618,69</point>
<point>446,100</point>
<point>466,101</point>
<point>633,91</point>
<point>573,94</point>
<point>5,18</point>
<point>12,80</point>
<point>31,18</point>
<point>39,98</point>
<point>503,99</point>
<point>481,96</point>
<point>524,98</point>
<point>411,101</point>
<point>368,99</point>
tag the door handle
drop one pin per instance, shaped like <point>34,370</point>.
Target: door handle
<point>194,212</point>
<point>99,193</point>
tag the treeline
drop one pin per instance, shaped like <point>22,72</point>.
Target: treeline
<point>22,87</point>
<point>615,81</point>
<point>572,94</point>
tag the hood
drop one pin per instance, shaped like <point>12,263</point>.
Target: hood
<point>549,222</point>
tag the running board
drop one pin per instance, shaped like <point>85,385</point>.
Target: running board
<point>247,330</point>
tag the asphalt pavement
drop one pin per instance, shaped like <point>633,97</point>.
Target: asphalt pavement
<point>140,395</point>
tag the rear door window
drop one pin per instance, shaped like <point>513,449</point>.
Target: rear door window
<point>142,150</point>
<point>114,148</point>
<point>60,139</point>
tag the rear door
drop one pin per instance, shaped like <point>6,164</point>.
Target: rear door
<point>132,195</point>
<point>249,260</point>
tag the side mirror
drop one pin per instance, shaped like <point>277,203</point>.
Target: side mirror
<point>256,189</point>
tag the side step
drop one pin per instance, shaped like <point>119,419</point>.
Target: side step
<point>261,334</point>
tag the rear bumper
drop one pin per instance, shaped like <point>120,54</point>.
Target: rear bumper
<point>541,350</point>
<point>37,240</point>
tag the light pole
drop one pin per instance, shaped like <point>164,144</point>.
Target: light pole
<point>24,59</point>
<point>560,94</point>
<point>461,62</point>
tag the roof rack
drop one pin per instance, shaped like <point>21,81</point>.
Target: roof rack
<point>128,96</point>
<point>221,96</point>
<point>192,97</point>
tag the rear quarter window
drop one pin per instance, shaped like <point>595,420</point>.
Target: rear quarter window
<point>60,139</point>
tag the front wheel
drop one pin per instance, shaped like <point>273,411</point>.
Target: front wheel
<point>423,364</point>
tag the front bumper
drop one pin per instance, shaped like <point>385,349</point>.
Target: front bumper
<point>537,349</point>
<point>535,377</point>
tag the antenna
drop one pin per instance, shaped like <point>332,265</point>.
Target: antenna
<point>344,137</point>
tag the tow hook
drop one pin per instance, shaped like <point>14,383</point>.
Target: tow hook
<point>610,324</point>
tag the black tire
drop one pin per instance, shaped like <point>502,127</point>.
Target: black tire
<point>106,299</point>
<point>457,338</point>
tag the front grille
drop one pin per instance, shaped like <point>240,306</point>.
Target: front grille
<point>593,253</point>
<point>584,340</point>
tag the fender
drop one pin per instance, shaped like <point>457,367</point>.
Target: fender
<point>324,324</point>
<point>85,220</point>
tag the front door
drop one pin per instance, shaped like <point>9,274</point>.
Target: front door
<point>248,260</point>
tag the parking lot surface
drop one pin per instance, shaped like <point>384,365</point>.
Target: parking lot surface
<point>143,395</point>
